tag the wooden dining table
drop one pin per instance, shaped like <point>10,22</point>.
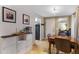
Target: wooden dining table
<point>73,41</point>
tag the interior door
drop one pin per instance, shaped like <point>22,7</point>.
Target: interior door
<point>37,31</point>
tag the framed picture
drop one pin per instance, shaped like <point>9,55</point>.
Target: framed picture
<point>26,19</point>
<point>8,15</point>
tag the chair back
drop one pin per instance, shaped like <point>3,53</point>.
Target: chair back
<point>51,40</point>
<point>49,35</point>
<point>63,45</point>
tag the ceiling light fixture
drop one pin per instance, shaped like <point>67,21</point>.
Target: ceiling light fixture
<point>54,11</point>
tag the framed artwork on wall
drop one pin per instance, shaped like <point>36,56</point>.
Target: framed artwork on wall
<point>8,15</point>
<point>26,19</point>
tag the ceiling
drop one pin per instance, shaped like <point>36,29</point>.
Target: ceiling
<point>48,10</point>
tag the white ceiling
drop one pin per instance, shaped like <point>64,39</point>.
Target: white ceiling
<point>47,10</point>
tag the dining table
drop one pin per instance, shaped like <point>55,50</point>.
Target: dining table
<point>74,42</point>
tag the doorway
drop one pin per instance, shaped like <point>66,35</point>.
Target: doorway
<point>37,31</point>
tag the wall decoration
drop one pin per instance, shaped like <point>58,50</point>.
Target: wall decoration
<point>8,15</point>
<point>27,30</point>
<point>26,19</point>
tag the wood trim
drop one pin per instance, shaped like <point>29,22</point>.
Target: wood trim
<point>42,24</point>
<point>44,28</point>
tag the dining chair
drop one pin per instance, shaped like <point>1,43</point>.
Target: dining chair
<point>62,45</point>
<point>51,41</point>
<point>77,49</point>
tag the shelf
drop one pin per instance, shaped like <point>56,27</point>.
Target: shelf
<point>12,35</point>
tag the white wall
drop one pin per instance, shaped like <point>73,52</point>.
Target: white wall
<point>9,28</point>
<point>42,32</point>
<point>73,26</point>
<point>42,29</point>
<point>53,25</point>
<point>50,26</point>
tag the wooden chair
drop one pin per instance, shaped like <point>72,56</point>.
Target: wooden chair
<point>63,45</point>
<point>76,48</point>
<point>51,41</point>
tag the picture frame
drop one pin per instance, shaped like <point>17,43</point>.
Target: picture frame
<point>26,19</point>
<point>8,15</point>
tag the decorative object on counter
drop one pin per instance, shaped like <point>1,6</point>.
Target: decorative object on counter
<point>27,30</point>
<point>22,37</point>
<point>26,19</point>
<point>8,15</point>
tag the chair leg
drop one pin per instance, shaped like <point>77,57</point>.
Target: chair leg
<point>49,48</point>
